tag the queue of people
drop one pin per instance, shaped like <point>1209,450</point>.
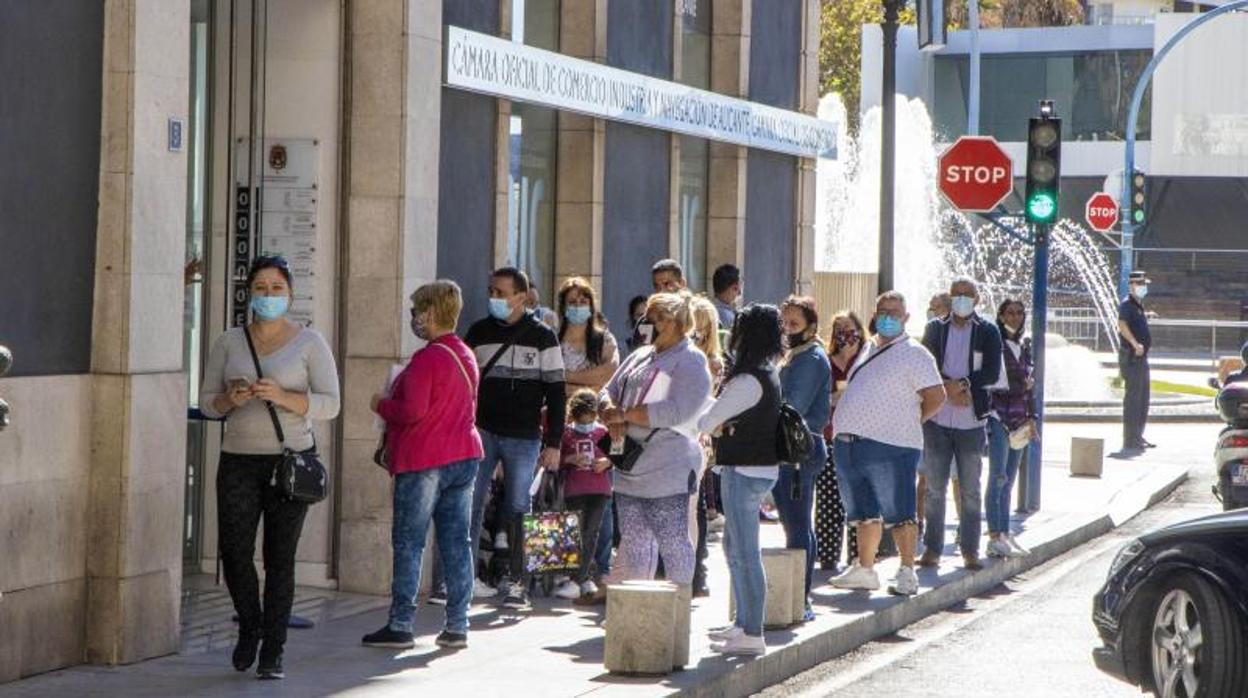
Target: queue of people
<point>645,437</point>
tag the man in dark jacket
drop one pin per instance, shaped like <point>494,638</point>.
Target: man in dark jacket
<point>968,354</point>
<point>1134,342</point>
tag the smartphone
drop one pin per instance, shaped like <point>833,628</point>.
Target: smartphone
<point>586,448</point>
<point>238,382</point>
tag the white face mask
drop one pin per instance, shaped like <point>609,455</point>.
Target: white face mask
<point>1139,291</point>
<point>963,306</point>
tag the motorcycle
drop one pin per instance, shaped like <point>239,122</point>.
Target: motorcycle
<point>1230,456</point>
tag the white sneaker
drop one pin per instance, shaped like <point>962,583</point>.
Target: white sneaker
<point>1019,550</point>
<point>481,590</point>
<point>906,583</point>
<point>724,634</point>
<point>588,588</point>
<point>715,525</point>
<point>568,590</point>
<point>742,645</point>
<point>857,577</point>
<point>500,541</point>
<point>1000,547</point>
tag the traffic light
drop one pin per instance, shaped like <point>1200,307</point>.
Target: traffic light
<point>1044,165</point>
<point>1139,198</point>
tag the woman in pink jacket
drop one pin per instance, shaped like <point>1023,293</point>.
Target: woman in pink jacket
<point>432,449</point>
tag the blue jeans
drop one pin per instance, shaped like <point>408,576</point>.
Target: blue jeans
<point>441,496</point>
<point>519,458</point>
<point>877,481</point>
<point>602,559</point>
<point>742,496</point>
<point>942,449</point>
<point>1003,463</point>
<point>797,515</point>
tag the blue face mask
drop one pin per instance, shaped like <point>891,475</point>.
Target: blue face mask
<point>270,307</point>
<point>888,326</point>
<point>963,306</point>
<point>584,428</point>
<point>1140,291</point>
<point>577,314</point>
<point>499,309</point>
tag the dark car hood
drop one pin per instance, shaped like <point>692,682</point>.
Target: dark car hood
<point>1217,524</point>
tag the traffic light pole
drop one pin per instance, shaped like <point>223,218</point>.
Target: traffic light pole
<point>888,144</point>
<point>1133,118</point>
<point>1029,479</point>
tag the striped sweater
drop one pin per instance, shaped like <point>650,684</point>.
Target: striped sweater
<point>526,378</point>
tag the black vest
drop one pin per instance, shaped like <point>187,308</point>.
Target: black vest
<point>750,437</point>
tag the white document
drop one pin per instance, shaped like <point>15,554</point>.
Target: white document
<point>977,361</point>
<point>379,424</point>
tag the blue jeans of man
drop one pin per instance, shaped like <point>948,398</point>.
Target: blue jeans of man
<point>742,496</point>
<point>797,515</point>
<point>442,497</point>
<point>943,449</point>
<point>519,457</point>
<point>1003,463</point>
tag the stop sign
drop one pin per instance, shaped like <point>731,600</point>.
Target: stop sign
<point>1102,212</point>
<point>975,174</point>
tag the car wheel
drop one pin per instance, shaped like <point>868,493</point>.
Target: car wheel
<point>1196,648</point>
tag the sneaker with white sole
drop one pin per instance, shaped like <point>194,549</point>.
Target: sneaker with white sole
<point>744,645</point>
<point>568,590</point>
<point>1019,550</point>
<point>517,597</point>
<point>906,583</point>
<point>857,577</point>
<point>481,590</point>
<point>724,634</point>
<point>1000,547</point>
<point>588,588</point>
<point>500,541</point>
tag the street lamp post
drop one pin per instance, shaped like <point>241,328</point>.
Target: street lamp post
<point>888,140</point>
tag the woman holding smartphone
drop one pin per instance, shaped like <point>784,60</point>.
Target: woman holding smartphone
<point>300,381</point>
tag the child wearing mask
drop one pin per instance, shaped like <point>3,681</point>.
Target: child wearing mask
<point>586,484</point>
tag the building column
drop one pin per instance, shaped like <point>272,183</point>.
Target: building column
<point>807,192</point>
<point>582,155</point>
<point>394,50</point>
<point>730,75</point>
<point>138,424</point>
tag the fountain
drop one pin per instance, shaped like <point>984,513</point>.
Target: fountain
<point>935,244</point>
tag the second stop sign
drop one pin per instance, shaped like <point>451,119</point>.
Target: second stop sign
<point>975,174</point>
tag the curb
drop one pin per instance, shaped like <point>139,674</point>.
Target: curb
<point>782,663</point>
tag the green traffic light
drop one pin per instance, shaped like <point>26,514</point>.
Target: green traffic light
<point>1041,208</point>
<point>1139,216</point>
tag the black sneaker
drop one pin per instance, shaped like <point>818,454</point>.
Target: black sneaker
<point>452,641</point>
<point>245,651</point>
<point>437,597</point>
<point>270,668</point>
<point>517,597</point>
<point>386,637</point>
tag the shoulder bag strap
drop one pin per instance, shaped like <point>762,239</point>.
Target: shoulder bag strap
<point>489,365</point>
<point>277,424</point>
<point>871,358</point>
<point>462,371</point>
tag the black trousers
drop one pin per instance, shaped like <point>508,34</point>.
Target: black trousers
<point>705,492</point>
<point>830,519</point>
<point>1135,400</point>
<point>244,496</point>
<point>591,507</point>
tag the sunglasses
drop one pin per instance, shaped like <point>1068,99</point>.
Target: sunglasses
<point>275,260</point>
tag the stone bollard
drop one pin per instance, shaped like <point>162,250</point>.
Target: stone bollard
<point>641,637</point>
<point>783,584</point>
<point>683,619</point>
<point>1087,456</point>
<point>797,560</point>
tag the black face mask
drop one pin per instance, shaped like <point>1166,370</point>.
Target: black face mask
<point>797,339</point>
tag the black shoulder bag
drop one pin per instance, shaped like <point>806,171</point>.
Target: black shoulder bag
<point>301,477</point>
<point>626,460</point>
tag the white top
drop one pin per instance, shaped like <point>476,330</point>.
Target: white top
<point>882,400</point>
<point>739,394</point>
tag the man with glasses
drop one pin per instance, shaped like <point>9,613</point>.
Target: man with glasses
<point>892,389</point>
<point>968,351</point>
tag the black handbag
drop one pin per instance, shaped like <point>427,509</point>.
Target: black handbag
<point>300,476</point>
<point>624,462</point>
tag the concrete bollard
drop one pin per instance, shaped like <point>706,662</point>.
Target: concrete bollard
<point>1087,456</point>
<point>683,619</point>
<point>783,584</point>
<point>641,637</point>
<point>797,561</point>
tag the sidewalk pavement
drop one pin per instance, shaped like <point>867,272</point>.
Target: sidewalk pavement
<point>556,650</point>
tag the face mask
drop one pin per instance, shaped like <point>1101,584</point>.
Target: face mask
<point>418,328</point>
<point>645,332</point>
<point>1139,291</point>
<point>963,306</point>
<point>844,337</point>
<point>797,339</point>
<point>500,309</point>
<point>888,326</point>
<point>1011,329</point>
<point>697,337</point>
<point>270,307</point>
<point>584,428</point>
<point>577,314</point>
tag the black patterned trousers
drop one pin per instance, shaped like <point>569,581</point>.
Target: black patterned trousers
<point>830,519</point>
<point>244,496</point>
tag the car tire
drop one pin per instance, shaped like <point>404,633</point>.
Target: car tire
<point>1188,622</point>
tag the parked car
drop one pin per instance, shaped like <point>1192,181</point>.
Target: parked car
<point>1173,613</point>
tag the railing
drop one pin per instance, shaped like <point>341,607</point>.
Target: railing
<point>1083,326</point>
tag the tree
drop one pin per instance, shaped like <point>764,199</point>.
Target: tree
<point>1009,14</point>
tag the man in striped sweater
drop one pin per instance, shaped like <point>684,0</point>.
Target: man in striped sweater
<point>521,373</point>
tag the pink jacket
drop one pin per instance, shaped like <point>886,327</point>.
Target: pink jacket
<point>430,415</point>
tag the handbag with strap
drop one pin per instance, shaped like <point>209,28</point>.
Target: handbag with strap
<point>381,456</point>
<point>625,459</point>
<point>301,477</point>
